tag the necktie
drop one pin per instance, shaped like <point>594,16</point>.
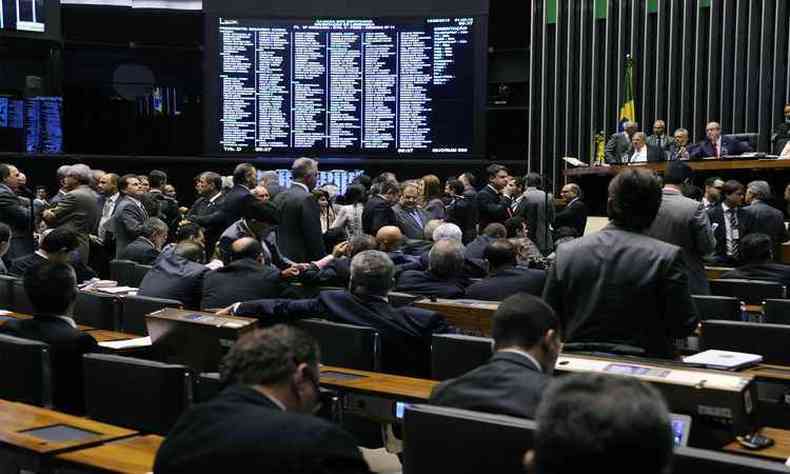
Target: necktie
<point>734,234</point>
<point>105,216</point>
<point>718,151</point>
<point>416,216</point>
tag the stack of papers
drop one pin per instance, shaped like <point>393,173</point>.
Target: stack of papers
<point>127,343</point>
<point>114,290</point>
<point>726,360</point>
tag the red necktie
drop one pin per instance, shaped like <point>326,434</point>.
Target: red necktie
<point>718,152</point>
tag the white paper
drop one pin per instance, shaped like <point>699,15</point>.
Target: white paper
<point>128,343</point>
<point>117,289</point>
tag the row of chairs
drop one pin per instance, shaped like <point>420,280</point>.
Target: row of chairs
<point>728,308</point>
<point>748,291</point>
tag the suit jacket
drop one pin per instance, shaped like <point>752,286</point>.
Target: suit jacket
<point>729,146</point>
<point>492,207</point>
<point>141,251</point>
<point>621,287</point>
<point>299,234</point>
<point>618,148</point>
<point>666,141</point>
<point>762,271</point>
<point>436,209</point>
<point>411,227</point>
<point>509,384</point>
<point>127,219</point>
<point>676,152</point>
<point>405,332</point>
<point>20,265</point>
<point>377,214</point>
<point>766,219</point>
<point>226,212</point>
<point>204,213</point>
<point>508,282</point>
<point>716,216</point>
<point>17,216</point>
<point>274,189</point>
<point>67,345</point>
<point>683,222</point>
<point>79,212</point>
<point>462,211</point>
<point>176,278</point>
<point>537,208</point>
<point>242,280</point>
<point>476,248</point>
<point>240,229</point>
<point>425,283</point>
<point>243,427</point>
<point>574,215</point>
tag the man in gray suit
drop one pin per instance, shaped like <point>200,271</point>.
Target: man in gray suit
<point>129,214</point>
<point>14,213</point>
<point>78,210</point>
<point>619,144</point>
<point>683,222</point>
<point>762,217</point>
<point>299,235</point>
<point>659,138</point>
<point>537,208</point>
<point>411,218</point>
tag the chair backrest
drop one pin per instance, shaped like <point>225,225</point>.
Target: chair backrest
<point>133,309</point>
<point>767,340</point>
<point>7,291</point>
<point>454,354</point>
<point>20,301</point>
<point>96,310</point>
<point>696,461</point>
<point>27,371</point>
<point>345,345</point>
<point>207,385</point>
<point>776,311</point>
<point>749,291</point>
<point>717,307</point>
<point>137,273</point>
<point>439,439</point>
<point>750,138</point>
<point>139,394</point>
<point>121,271</point>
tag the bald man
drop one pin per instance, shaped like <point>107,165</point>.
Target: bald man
<point>659,137</point>
<point>715,145</point>
<point>389,238</point>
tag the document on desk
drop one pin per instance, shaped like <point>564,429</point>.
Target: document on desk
<point>114,290</point>
<point>128,343</point>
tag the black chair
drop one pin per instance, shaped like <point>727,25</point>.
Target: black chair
<point>454,354</point>
<point>776,311</point>
<point>27,371</point>
<point>751,139</point>
<point>134,308</point>
<point>696,461</point>
<point>439,439</point>
<point>136,274</point>
<point>748,291</point>
<point>121,271</point>
<point>139,394</point>
<point>717,307</point>
<point>96,310</point>
<point>7,291</point>
<point>345,345</point>
<point>207,385</point>
<point>19,299</point>
<point>767,340</point>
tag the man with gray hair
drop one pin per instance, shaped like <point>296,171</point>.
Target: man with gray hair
<point>763,218</point>
<point>78,210</point>
<point>405,331</point>
<point>271,181</point>
<point>619,148</point>
<point>445,275</point>
<point>61,176</point>
<point>146,248</point>
<point>299,236</point>
<point>448,231</point>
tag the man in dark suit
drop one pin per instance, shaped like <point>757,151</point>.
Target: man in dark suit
<point>129,213</point>
<point>659,138</point>
<point>729,223</point>
<point>168,206</point>
<point>411,218</point>
<point>52,289</point>
<point>527,342</point>
<point>462,209</point>
<point>234,202</point>
<point>177,276</point>
<point>57,245</point>
<point>444,277</point>
<point>597,281</point>
<point>259,224</point>
<point>15,214</point>
<point>756,254</point>
<point>5,244</point>
<point>505,277</point>
<point>146,248</point>
<point>618,147</point>
<point>337,272</point>
<point>299,235</point>
<point>680,149</point>
<point>492,205</point>
<point>574,214</point>
<point>537,210</point>
<point>245,278</point>
<point>476,249</point>
<point>263,419</point>
<point>762,217</point>
<point>715,145</point>
<point>378,210</point>
<point>203,212</point>
<point>641,152</point>
<point>405,332</point>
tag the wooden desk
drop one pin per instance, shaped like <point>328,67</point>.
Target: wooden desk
<point>393,387</point>
<point>104,335</point>
<point>128,456</point>
<point>704,165</point>
<point>473,316</point>
<point>780,451</point>
<point>23,316</point>
<point>714,273</point>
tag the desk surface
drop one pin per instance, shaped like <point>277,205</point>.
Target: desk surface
<point>129,456</point>
<point>384,385</point>
<point>472,316</point>
<point>16,417</point>
<point>780,451</point>
<point>15,315</point>
<point>103,335</point>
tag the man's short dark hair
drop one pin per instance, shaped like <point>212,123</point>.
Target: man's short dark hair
<point>634,199</point>
<point>51,287</point>
<point>712,180</point>
<point>123,183</point>
<point>514,227</point>
<point>190,251</point>
<point>188,231</point>
<point>500,253</point>
<point>213,178</point>
<point>260,211</point>
<point>602,423</point>
<point>732,186</point>
<point>470,177</point>
<point>5,171</point>
<point>240,173</point>
<point>250,248</point>
<point>534,180</point>
<point>268,356</point>
<point>389,187</point>
<point>521,321</point>
<point>157,178</point>
<point>756,248</point>
<point>678,172</point>
<point>456,186</point>
<point>492,170</point>
<point>60,239</point>
<point>495,230</point>
<point>153,226</point>
<point>5,232</point>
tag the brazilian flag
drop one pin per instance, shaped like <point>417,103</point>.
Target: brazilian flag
<point>628,109</point>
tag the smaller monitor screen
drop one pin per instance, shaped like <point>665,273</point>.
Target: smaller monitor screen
<point>23,15</point>
<point>61,433</point>
<point>340,178</point>
<point>43,124</point>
